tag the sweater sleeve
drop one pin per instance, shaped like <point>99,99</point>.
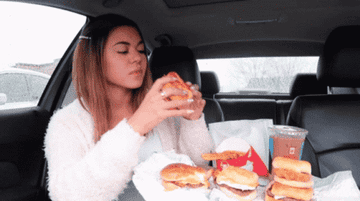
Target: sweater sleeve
<point>195,139</point>
<point>78,172</point>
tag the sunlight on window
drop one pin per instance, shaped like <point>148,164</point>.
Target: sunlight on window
<point>272,74</point>
<point>35,38</point>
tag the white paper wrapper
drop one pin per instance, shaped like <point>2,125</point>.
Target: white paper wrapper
<point>254,132</point>
<point>217,195</point>
<point>339,186</point>
<point>147,179</point>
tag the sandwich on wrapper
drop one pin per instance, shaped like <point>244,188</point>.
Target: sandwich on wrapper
<point>292,181</point>
<point>236,182</point>
<point>179,175</point>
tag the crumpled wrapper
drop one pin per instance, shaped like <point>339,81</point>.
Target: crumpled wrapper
<point>217,195</point>
<point>339,186</point>
<point>147,179</point>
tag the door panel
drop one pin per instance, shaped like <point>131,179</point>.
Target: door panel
<point>21,152</point>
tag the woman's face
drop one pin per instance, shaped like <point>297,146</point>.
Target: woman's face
<point>124,58</point>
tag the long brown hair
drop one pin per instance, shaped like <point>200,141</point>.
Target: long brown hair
<point>88,75</point>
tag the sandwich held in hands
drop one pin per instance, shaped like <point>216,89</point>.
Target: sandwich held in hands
<point>178,83</point>
<point>179,175</point>
<point>237,183</point>
<point>292,181</point>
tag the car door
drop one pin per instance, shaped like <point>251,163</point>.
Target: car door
<point>22,128</point>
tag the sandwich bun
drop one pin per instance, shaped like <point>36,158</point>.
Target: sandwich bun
<point>292,172</point>
<point>236,175</point>
<point>169,186</point>
<point>179,175</point>
<point>237,183</point>
<point>179,83</point>
<point>278,189</point>
<point>298,184</point>
<point>298,166</point>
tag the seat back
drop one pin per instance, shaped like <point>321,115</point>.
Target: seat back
<point>333,142</point>
<point>209,84</point>
<point>181,60</point>
<point>303,84</point>
<point>210,87</point>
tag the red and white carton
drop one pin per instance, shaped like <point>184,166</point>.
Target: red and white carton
<point>250,158</point>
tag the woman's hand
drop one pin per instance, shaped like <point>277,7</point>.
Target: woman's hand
<point>197,105</point>
<point>154,108</point>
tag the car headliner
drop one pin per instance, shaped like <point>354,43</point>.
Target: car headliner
<point>222,28</point>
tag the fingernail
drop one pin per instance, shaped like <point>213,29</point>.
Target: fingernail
<point>174,78</point>
<point>185,92</point>
<point>190,111</point>
<point>190,100</point>
<point>188,82</point>
<point>193,87</point>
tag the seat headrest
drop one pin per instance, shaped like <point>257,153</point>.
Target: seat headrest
<point>175,58</point>
<point>209,83</point>
<point>339,64</point>
<point>305,84</point>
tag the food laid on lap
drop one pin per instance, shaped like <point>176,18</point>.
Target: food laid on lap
<point>292,181</point>
<point>234,182</point>
<point>157,179</point>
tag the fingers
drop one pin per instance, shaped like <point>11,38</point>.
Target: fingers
<point>174,113</point>
<point>159,83</point>
<point>178,103</point>
<point>168,92</point>
<point>195,90</point>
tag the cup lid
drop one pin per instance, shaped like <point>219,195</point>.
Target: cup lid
<point>288,131</point>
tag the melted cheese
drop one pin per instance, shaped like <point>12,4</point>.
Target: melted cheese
<point>237,186</point>
<point>279,197</point>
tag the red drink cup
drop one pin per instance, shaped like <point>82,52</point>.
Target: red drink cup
<point>288,141</point>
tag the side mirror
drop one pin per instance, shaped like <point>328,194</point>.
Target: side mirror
<point>3,98</point>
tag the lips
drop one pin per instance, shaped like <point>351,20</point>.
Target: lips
<point>136,72</point>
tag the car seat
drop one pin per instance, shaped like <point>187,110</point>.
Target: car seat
<point>303,84</point>
<point>333,121</point>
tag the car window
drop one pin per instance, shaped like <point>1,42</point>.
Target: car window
<point>15,87</point>
<point>259,75</point>
<point>33,39</point>
<point>37,85</point>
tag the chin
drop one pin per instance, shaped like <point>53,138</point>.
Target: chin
<point>135,86</point>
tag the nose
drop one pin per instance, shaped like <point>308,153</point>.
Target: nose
<point>136,56</point>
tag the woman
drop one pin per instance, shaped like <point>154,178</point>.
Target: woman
<point>119,118</point>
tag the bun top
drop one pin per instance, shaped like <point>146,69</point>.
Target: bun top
<point>182,172</point>
<point>292,164</point>
<point>237,175</point>
<point>179,83</point>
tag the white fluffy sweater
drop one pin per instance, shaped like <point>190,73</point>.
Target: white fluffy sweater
<point>80,169</point>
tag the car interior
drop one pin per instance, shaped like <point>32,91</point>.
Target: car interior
<point>179,33</point>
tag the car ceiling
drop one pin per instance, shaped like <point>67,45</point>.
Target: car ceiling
<point>228,28</point>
